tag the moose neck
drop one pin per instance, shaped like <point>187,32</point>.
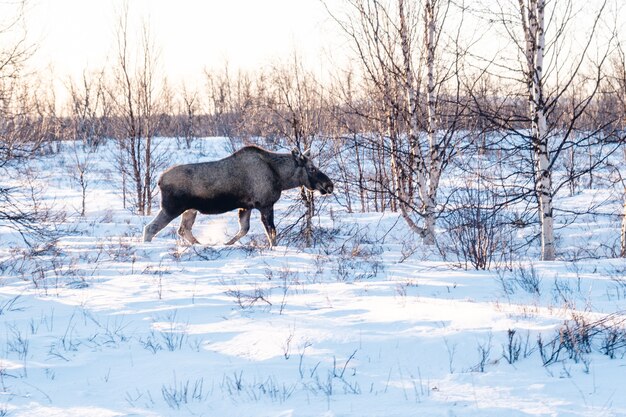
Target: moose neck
<point>286,168</point>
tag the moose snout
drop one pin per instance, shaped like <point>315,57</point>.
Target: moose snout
<point>327,188</point>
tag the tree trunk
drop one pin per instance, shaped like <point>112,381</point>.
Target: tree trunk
<point>544,171</point>
<point>309,204</point>
<point>424,172</point>
<point>411,87</point>
<point>360,177</point>
<point>83,186</point>
<point>543,184</point>
<point>147,183</point>
<point>534,30</point>
<point>623,231</point>
<point>434,170</point>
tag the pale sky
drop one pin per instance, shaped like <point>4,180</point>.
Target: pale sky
<point>190,35</point>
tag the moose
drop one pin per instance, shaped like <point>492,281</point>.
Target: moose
<point>250,178</point>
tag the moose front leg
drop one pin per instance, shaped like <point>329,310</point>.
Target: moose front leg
<point>244,225</point>
<point>267,217</point>
<point>161,220</point>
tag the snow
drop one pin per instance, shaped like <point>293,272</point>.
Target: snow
<point>110,326</point>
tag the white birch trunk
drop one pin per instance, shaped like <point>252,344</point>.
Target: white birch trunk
<point>544,171</point>
<point>623,231</point>
<point>623,228</point>
<point>534,31</point>
<point>429,195</point>
<point>411,97</point>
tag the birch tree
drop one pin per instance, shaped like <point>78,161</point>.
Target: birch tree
<point>533,23</point>
<point>558,64</point>
<point>405,70</point>
<point>428,176</point>
<point>617,82</point>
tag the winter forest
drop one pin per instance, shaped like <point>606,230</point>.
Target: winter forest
<point>470,261</point>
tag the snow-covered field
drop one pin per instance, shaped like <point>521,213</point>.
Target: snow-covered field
<point>368,323</point>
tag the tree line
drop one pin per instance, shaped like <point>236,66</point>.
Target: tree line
<point>526,97</point>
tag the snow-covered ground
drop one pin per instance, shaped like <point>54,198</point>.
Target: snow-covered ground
<point>367,323</point>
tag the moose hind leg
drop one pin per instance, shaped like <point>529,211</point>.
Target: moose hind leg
<point>244,225</point>
<point>267,217</point>
<point>186,223</point>
<point>161,220</point>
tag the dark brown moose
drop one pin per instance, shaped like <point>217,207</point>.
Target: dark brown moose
<point>251,178</point>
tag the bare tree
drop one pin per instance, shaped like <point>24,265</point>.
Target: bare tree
<point>189,111</point>
<point>27,122</point>
<point>136,98</point>
<point>533,23</point>
<point>617,83</point>
<point>409,77</point>
<point>350,150</point>
<point>15,138</point>
<point>86,121</point>
<point>296,104</point>
<point>87,105</point>
<point>549,72</point>
<point>219,99</point>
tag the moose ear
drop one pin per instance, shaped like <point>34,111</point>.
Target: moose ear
<point>307,153</point>
<point>298,156</point>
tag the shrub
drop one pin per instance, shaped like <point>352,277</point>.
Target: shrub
<point>480,232</point>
